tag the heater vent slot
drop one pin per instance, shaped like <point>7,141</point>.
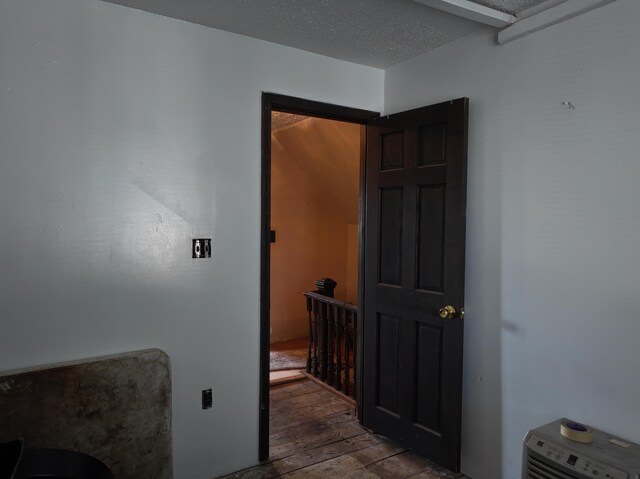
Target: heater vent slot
<point>537,469</point>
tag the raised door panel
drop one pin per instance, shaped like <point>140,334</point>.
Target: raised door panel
<point>388,362</point>
<point>428,345</point>
<point>430,238</point>
<point>392,151</point>
<point>390,245</point>
<point>433,140</point>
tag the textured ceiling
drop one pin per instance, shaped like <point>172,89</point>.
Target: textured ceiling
<point>379,33</point>
<point>510,6</point>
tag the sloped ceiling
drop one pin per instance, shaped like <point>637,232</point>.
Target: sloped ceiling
<point>280,120</point>
<point>327,152</point>
<point>378,33</point>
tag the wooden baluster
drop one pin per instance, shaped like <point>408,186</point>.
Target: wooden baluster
<point>354,336</point>
<point>347,380</point>
<point>339,340</point>
<point>336,350</point>
<point>316,337</point>
<point>323,340</point>
<point>336,342</point>
<point>331,334</point>
<point>310,341</point>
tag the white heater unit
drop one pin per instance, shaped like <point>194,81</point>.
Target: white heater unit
<point>549,455</point>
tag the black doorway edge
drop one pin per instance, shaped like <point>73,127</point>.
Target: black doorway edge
<point>288,104</point>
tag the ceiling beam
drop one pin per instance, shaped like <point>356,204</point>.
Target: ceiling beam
<point>548,17</point>
<point>472,11</point>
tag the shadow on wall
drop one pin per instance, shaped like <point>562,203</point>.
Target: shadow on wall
<point>315,168</point>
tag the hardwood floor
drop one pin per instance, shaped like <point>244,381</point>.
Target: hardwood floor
<point>315,434</point>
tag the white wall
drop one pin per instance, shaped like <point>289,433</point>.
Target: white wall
<point>122,136</point>
<point>553,278</point>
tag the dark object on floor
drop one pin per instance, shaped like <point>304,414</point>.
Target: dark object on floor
<point>60,464</point>
<point>10,453</point>
<point>18,463</point>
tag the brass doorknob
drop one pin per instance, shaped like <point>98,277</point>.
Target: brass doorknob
<point>448,312</point>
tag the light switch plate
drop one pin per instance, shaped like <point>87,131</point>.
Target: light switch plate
<point>207,399</point>
<point>201,248</point>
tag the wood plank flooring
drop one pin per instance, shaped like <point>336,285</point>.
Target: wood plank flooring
<point>315,434</point>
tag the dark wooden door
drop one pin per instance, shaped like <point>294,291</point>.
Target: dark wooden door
<point>414,269</point>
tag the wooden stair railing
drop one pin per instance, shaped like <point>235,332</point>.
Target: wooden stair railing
<point>332,341</point>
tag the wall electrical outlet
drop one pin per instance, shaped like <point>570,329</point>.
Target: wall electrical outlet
<point>207,399</point>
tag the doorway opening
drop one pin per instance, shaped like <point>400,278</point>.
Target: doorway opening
<point>312,177</point>
<point>405,335</point>
<point>315,189</point>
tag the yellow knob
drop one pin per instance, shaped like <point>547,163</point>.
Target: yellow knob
<point>448,312</point>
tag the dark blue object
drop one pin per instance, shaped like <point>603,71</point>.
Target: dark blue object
<point>576,426</point>
<point>10,454</point>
